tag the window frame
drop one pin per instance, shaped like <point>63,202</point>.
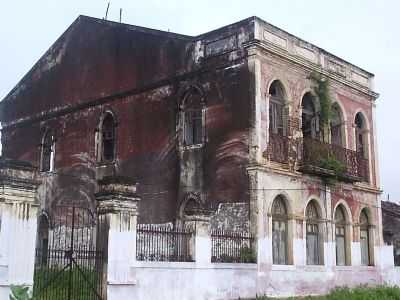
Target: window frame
<point>280,218</point>
<point>365,228</point>
<point>100,151</point>
<point>312,117</point>
<point>193,117</point>
<point>277,103</point>
<point>361,132</point>
<point>341,232</point>
<point>49,156</point>
<point>313,229</point>
<point>192,112</point>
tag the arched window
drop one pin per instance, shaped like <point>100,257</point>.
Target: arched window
<point>193,127</point>
<point>276,105</point>
<point>340,233</point>
<point>361,140</point>
<point>313,237</point>
<point>336,126</point>
<point>279,232</point>
<point>48,152</point>
<point>107,139</point>
<point>309,117</point>
<point>364,238</point>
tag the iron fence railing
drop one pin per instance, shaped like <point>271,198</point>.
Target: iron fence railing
<point>232,247</point>
<point>315,153</point>
<point>164,242</point>
<point>319,154</point>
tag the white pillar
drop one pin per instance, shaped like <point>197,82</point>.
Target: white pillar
<point>18,217</point>
<point>117,209</point>
<point>202,239</point>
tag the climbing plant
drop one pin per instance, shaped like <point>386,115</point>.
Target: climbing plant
<point>321,90</point>
<point>328,161</point>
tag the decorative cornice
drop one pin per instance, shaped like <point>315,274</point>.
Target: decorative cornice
<point>111,203</point>
<point>257,44</point>
<point>117,194</point>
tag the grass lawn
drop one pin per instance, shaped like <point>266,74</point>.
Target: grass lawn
<point>380,293</point>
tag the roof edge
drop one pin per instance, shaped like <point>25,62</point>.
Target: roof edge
<point>314,45</point>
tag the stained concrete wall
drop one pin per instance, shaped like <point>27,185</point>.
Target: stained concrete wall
<point>141,75</point>
<point>168,281</point>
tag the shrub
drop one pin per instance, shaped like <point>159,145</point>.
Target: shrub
<point>362,293</point>
<point>247,255</point>
<point>333,164</point>
<point>20,293</point>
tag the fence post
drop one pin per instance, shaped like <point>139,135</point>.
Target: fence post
<point>202,239</point>
<point>18,224</point>
<point>117,212</point>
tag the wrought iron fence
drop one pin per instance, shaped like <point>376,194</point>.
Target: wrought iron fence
<point>164,242</point>
<point>232,247</point>
<point>318,154</point>
<point>69,264</point>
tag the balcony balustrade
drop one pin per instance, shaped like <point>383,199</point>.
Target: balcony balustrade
<point>327,159</point>
<point>321,158</point>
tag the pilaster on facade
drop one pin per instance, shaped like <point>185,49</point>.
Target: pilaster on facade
<point>117,217</point>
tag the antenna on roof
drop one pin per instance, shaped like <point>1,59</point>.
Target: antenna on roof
<point>108,6</point>
<point>120,15</point>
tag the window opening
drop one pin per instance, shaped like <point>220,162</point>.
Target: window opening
<point>313,249</point>
<point>279,232</point>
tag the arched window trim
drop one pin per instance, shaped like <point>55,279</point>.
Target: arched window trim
<point>280,231</point>
<point>47,151</point>
<point>342,234</point>
<point>102,157</point>
<point>310,124</point>
<point>193,119</point>
<point>314,234</point>
<point>366,238</point>
<point>277,108</point>
<point>362,132</point>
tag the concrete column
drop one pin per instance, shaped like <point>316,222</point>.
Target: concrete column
<point>117,209</point>
<point>18,217</point>
<point>202,240</point>
<point>259,219</point>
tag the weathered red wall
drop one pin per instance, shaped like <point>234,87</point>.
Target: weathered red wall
<point>95,60</point>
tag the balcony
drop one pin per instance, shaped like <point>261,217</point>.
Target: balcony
<point>319,158</point>
<point>329,160</point>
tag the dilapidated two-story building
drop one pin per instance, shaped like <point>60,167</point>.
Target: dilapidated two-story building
<point>271,133</point>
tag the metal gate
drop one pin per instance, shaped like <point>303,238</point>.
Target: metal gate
<point>69,262</point>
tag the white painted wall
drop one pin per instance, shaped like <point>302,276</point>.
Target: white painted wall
<point>17,245</point>
<point>171,281</point>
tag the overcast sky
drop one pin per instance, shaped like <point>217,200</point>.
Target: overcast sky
<point>364,32</point>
